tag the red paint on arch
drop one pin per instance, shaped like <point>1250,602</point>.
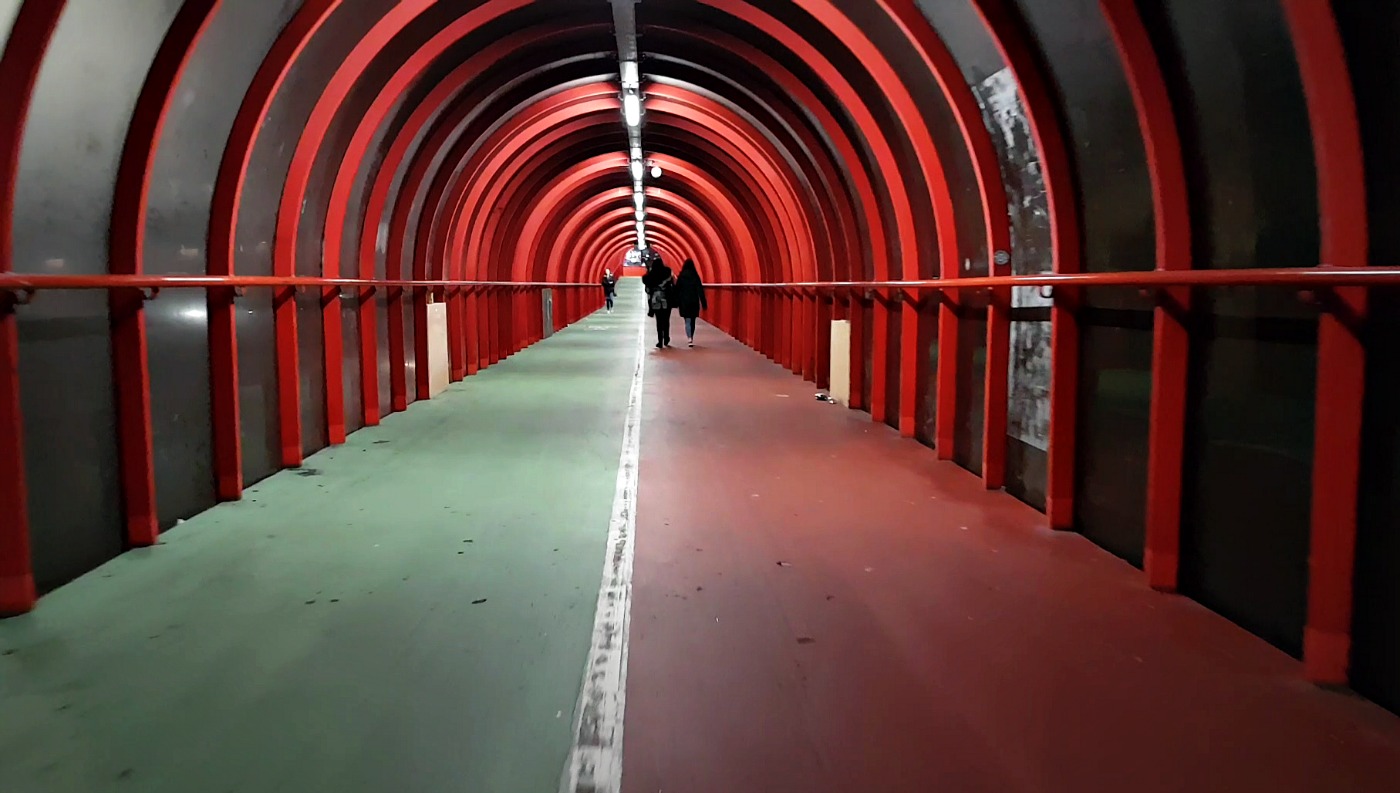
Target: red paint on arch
<point>127,241</point>
<point>19,71</point>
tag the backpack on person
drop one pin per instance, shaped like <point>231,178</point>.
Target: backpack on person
<point>657,301</point>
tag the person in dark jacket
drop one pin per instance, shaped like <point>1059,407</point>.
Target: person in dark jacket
<point>660,285</point>
<point>609,288</point>
<point>690,298</point>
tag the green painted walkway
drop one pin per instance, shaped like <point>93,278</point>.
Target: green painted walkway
<point>410,612</point>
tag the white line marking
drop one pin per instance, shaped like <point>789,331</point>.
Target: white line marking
<point>595,760</point>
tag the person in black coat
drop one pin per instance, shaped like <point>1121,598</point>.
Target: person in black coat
<point>660,283</point>
<point>609,288</point>
<point>690,297</point>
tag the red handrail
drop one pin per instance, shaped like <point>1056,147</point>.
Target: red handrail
<point>19,282</point>
<point>1298,277</point>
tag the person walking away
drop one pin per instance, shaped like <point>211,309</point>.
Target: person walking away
<point>690,298</point>
<point>660,284</point>
<point>609,288</point>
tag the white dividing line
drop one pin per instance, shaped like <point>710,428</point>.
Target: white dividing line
<point>595,760</point>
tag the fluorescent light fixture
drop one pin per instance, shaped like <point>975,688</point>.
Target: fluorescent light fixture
<point>630,77</point>
<point>636,152</point>
<point>639,199</point>
<point>641,214</point>
<point>655,171</point>
<point>637,170</point>
<point>632,109</point>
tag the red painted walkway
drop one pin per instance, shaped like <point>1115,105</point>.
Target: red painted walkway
<point>821,606</point>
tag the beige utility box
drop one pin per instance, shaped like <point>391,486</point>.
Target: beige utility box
<point>841,361</point>
<point>439,365</point>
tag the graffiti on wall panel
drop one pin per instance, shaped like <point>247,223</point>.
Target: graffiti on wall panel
<point>1029,409</point>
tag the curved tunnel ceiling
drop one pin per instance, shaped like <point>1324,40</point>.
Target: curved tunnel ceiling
<point>460,136</point>
<point>816,140</point>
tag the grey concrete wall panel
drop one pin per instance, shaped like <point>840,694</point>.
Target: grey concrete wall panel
<point>9,9</point>
<point>381,334</point>
<point>1114,194</point>
<point>188,155</point>
<point>257,226</point>
<point>962,30</point>
<point>1250,409</point>
<point>1028,412</point>
<point>410,351</point>
<point>312,227</point>
<point>75,133</point>
<point>312,367</point>
<point>1004,115</point>
<point>257,384</point>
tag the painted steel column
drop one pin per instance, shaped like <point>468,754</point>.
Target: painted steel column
<point>421,370</point>
<point>367,323</point>
<point>471,330</point>
<point>19,70</point>
<point>1006,27</point>
<point>224,214</point>
<point>949,330</point>
<point>812,368</point>
<point>856,313</point>
<point>909,355</point>
<point>500,314</point>
<point>787,327</point>
<point>483,330</point>
<point>456,332</point>
<point>284,324</point>
<point>333,359</point>
<point>879,368</point>
<point>1341,355</point>
<point>995,403</point>
<point>17,593</point>
<point>131,375</point>
<point>1171,346</point>
<point>126,243</point>
<point>398,351</point>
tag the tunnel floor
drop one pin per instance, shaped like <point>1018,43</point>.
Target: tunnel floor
<point>817,606</point>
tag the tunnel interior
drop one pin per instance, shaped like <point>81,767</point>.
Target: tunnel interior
<point>381,164</point>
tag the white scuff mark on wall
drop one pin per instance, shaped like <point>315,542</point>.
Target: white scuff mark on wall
<point>1029,409</point>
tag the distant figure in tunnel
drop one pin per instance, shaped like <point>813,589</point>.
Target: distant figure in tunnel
<point>609,288</point>
<point>660,285</point>
<point>690,298</point>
